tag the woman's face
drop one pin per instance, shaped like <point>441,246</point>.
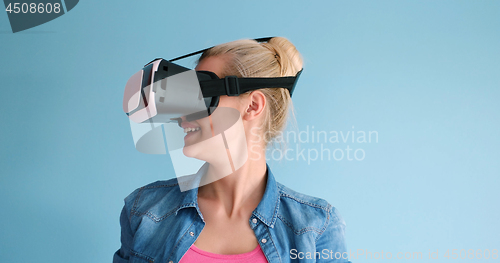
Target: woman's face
<point>223,117</point>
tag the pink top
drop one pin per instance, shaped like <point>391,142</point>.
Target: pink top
<point>196,255</point>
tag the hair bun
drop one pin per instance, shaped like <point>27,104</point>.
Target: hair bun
<point>286,54</point>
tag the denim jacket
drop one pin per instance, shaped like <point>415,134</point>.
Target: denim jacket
<point>159,223</point>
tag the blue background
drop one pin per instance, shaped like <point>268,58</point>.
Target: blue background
<point>423,74</point>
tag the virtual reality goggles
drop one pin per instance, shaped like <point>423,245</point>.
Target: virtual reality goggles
<point>164,91</point>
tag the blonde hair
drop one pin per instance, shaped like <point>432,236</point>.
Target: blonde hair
<point>276,58</point>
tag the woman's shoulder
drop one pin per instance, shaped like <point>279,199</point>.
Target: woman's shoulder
<point>306,213</point>
<point>160,186</point>
<point>307,200</point>
<point>154,198</point>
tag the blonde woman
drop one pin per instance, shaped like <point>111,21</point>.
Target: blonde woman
<point>245,216</point>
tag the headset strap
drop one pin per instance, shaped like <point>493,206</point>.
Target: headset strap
<point>262,39</point>
<point>234,86</point>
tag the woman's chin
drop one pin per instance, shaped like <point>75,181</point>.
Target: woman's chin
<point>189,151</point>
<point>194,151</point>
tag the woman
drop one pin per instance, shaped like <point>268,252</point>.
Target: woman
<point>245,216</point>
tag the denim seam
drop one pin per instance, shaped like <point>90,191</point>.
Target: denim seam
<point>300,231</point>
<point>159,186</point>
<point>179,241</point>
<point>317,238</point>
<point>328,221</point>
<point>261,217</point>
<point>304,202</point>
<point>142,256</point>
<point>136,202</point>
<point>274,245</point>
<point>153,216</point>
<point>275,214</point>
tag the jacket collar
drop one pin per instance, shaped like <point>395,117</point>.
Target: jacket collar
<point>266,211</point>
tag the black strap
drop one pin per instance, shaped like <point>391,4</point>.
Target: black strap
<point>262,39</point>
<point>234,86</point>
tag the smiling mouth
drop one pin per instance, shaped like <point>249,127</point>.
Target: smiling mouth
<point>189,130</point>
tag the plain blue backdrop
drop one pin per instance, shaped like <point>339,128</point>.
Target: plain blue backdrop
<point>424,75</point>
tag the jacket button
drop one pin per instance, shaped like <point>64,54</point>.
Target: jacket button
<point>254,221</point>
<point>170,261</point>
<point>191,233</point>
<point>263,241</point>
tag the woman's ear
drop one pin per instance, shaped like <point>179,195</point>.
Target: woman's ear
<point>255,104</point>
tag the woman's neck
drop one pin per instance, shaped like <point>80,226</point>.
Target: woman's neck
<point>241,190</point>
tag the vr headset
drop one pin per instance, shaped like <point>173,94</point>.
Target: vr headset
<point>164,91</point>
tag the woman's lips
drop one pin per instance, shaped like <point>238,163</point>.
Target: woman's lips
<point>189,128</point>
<point>190,131</point>
<point>186,124</point>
